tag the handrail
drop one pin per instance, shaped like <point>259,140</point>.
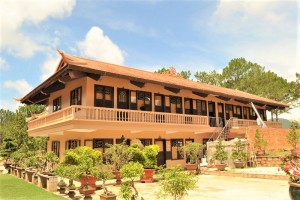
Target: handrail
<point>225,127</point>
<point>216,130</point>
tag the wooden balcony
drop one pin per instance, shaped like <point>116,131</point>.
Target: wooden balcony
<point>246,123</point>
<point>115,115</point>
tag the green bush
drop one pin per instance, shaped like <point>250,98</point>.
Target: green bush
<point>220,153</point>
<point>293,137</point>
<point>192,151</point>
<point>239,151</point>
<point>175,183</point>
<point>150,153</point>
<point>259,141</point>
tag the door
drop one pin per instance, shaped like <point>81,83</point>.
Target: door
<point>221,113</point>
<point>123,98</point>
<point>161,157</point>
<point>212,114</point>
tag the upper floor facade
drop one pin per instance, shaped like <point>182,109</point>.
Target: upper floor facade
<point>99,94</point>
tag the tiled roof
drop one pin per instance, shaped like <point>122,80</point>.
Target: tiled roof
<point>89,65</point>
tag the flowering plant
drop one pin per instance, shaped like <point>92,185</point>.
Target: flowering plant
<point>291,166</point>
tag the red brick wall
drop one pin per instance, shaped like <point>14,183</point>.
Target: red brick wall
<point>276,137</point>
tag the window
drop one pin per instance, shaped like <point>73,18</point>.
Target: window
<point>56,104</point>
<point>144,100</point>
<point>158,100</point>
<point>104,96</point>
<point>201,107</point>
<point>146,142</point>
<point>176,149</point>
<point>55,147</point>
<point>72,144</point>
<point>132,96</point>
<point>76,96</point>
<point>101,144</point>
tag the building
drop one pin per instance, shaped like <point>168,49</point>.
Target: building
<point>93,103</point>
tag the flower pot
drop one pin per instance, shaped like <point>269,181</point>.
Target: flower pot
<point>294,191</point>
<point>88,180</point>
<point>117,177</point>
<point>295,152</point>
<point>260,153</point>
<point>220,167</point>
<point>239,164</point>
<point>71,194</point>
<point>87,192</point>
<point>148,176</point>
<point>62,190</point>
<point>108,197</point>
<point>191,167</point>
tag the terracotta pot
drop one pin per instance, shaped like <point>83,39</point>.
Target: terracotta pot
<point>62,190</point>
<point>117,177</point>
<point>220,167</point>
<point>148,176</point>
<point>260,153</point>
<point>191,167</point>
<point>239,164</point>
<point>87,192</point>
<point>294,191</point>
<point>88,180</point>
<point>295,152</point>
<point>108,197</point>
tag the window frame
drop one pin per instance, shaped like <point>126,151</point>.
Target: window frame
<point>55,147</point>
<point>56,103</point>
<point>179,149</point>
<point>104,102</point>
<point>76,96</point>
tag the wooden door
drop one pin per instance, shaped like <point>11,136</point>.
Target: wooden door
<point>161,157</point>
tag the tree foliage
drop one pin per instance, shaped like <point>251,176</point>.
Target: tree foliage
<point>172,72</point>
<point>250,77</point>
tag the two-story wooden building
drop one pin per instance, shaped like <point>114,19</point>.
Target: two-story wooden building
<point>93,103</point>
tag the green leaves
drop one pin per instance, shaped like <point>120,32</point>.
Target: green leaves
<point>220,154</point>
<point>176,183</point>
<point>239,151</point>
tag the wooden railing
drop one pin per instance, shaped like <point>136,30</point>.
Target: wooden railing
<point>246,123</point>
<point>119,115</point>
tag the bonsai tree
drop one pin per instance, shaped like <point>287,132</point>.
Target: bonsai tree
<point>175,183</point>
<point>150,153</point>
<point>220,154</point>
<point>117,155</point>
<point>293,137</point>
<point>239,151</point>
<point>137,154</point>
<point>86,160</point>
<point>260,143</point>
<point>61,172</point>
<point>129,172</point>
<point>192,151</point>
<point>51,160</point>
<point>104,174</point>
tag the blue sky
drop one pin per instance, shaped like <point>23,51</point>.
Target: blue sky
<point>189,35</point>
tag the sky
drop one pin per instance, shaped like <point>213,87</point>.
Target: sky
<point>200,35</point>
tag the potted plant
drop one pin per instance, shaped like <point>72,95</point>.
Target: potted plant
<point>104,174</point>
<point>260,143</point>
<point>51,159</point>
<point>61,172</point>
<point>71,173</point>
<point>150,162</point>
<point>220,155</point>
<point>117,155</point>
<point>239,154</point>
<point>175,183</point>
<point>293,138</point>
<point>192,151</point>
<point>129,172</point>
<point>87,162</point>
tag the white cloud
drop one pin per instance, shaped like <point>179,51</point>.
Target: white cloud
<point>11,105</point>
<point>49,65</point>
<point>3,64</point>
<point>14,14</point>
<point>22,86</point>
<point>261,31</point>
<point>97,45</point>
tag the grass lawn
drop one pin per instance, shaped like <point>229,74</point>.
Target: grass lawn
<point>12,188</point>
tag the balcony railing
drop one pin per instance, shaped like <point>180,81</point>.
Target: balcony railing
<point>122,115</point>
<point>115,115</point>
<point>246,123</point>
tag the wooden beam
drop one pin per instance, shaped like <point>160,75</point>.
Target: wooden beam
<point>137,83</point>
<point>54,87</point>
<point>241,101</point>
<point>95,77</point>
<point>171,89</point>
<point>223,98</point>
<point>76,74</point>
<point>40,96</point>
<point>200,94</point>
<point>64,79</point>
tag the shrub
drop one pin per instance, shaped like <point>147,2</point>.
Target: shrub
<point>259,141</point>
<point>176,183</point>
<point>239,151</point>
<point>220,153</point>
